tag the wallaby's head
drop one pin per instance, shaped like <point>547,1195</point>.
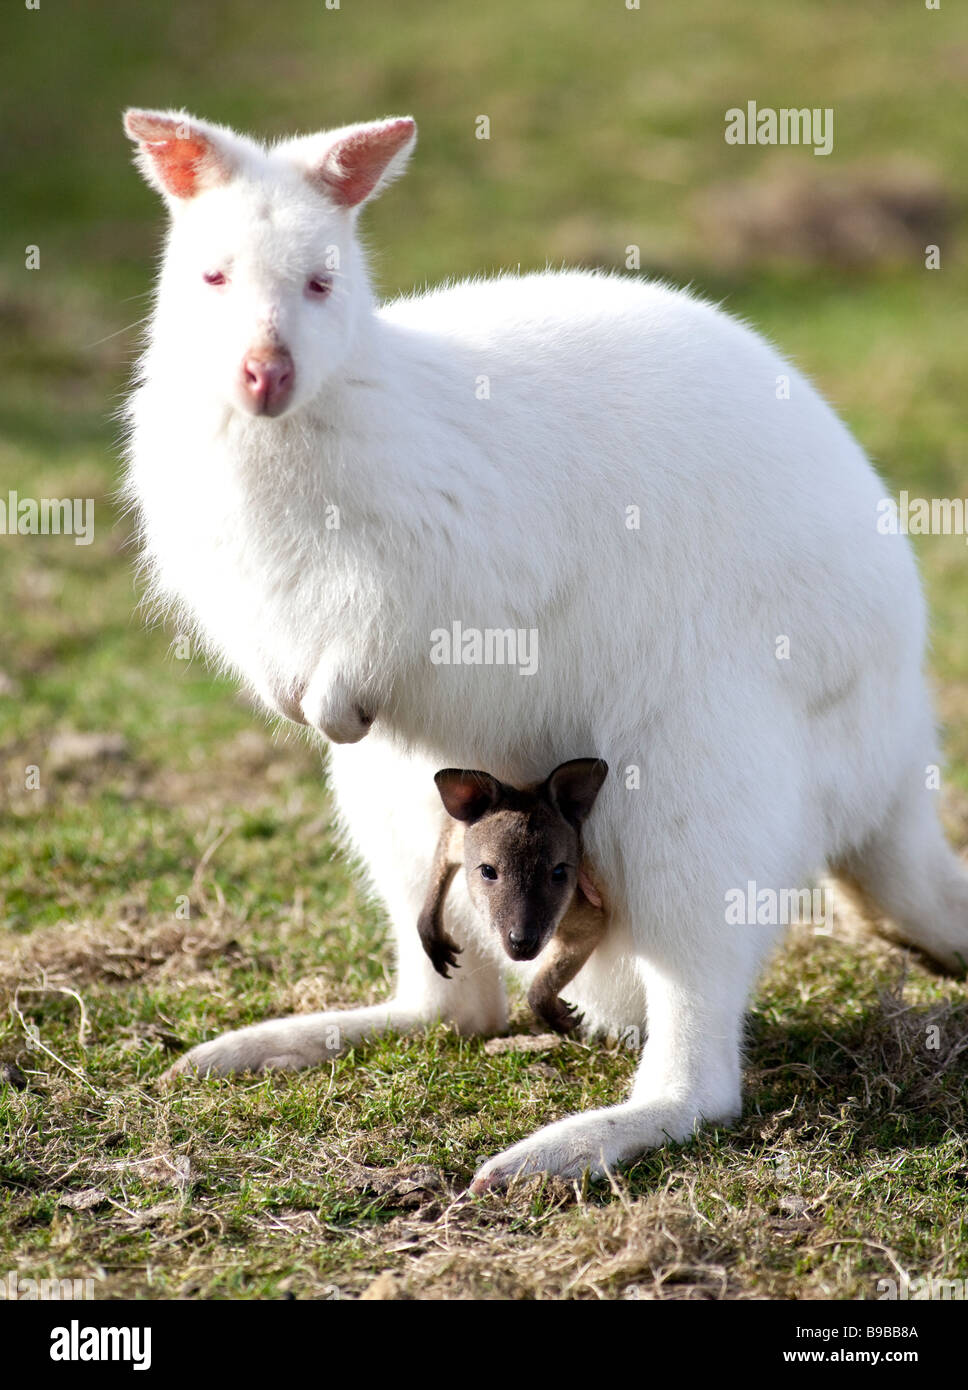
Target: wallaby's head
<point>522,848</point>
<point>263,282</point>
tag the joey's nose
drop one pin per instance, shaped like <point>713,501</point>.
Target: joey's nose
<point>523,943</point>
<point>267,379</point>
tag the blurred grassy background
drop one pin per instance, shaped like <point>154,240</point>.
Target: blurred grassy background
<point>606,130</point>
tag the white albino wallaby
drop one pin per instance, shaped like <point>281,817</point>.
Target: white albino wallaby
<point>598,459</point>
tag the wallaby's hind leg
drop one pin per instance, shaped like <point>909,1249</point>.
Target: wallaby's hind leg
<point>402,825</point>
<point>907,870</point>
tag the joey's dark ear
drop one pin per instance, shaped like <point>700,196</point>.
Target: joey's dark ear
<point>573,787</point>
<point>467,795</point>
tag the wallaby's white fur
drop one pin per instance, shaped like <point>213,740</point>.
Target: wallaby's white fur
<point>657,645</point>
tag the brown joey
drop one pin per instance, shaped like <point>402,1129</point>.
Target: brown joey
<point>521,852</point>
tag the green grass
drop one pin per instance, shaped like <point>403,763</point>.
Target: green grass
<point>606,128</point>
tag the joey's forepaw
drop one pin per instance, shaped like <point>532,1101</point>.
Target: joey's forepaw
<point>443,954</point>
<point>560,1016</point>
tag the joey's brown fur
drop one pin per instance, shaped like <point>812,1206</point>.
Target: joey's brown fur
<point>521,851</point>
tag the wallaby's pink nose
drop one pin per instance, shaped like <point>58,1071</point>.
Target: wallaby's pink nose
<point>267,378</point>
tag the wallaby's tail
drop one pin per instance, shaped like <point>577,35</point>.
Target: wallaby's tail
<point>906,871</point>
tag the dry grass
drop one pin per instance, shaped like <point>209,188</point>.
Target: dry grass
<point>849,1164</point>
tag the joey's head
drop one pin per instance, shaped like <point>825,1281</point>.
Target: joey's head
<point>522,849</point>
<point>263,284</point>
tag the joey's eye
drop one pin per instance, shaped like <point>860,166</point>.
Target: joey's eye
<point>488,871</point>
<point>214,277</point>
<point>559,873</point>
<point>319,286</point>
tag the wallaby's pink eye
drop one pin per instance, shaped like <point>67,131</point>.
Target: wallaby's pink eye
<point>214,277</point>
<point>319,286</point>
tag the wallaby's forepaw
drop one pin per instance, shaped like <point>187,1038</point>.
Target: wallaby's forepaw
<point>286,701</point>
<point>333,704</point>
<point>349,727</point>
<point>560,1016</point>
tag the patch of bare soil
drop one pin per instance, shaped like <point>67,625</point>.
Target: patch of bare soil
<point>864,217</point>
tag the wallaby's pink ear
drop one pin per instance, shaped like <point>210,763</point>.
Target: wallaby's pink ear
<point>361,160</point>
<point>573,787</point>
<point>467,795</point>
<point>177,154</point>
